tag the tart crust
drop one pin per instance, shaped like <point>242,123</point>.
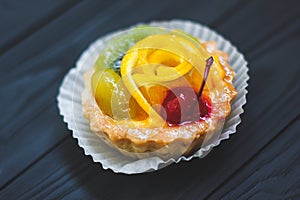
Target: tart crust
<point>165,142</point>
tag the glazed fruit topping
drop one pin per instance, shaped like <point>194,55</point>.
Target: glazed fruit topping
<point>180,107</point>
<point>184,105</point>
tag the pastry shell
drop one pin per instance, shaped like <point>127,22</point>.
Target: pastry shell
<point>164,142</point>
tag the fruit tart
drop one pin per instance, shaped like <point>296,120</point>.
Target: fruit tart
<point>154,91</point>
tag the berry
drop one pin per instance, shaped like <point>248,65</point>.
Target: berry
<point>180,106</point>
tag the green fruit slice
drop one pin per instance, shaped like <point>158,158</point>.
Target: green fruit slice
<point>117,46</point>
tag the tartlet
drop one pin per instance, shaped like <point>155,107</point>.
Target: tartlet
<point>142,127</point>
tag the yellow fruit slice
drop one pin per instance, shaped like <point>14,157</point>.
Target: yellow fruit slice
<point>149,69</point>
<point>113,98</point>
<point>103,85</point>
<point>156,59</point>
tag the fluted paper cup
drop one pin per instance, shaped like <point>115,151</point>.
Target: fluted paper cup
<point>70,104</point>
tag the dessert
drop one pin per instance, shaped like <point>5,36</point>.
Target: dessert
<point>158,91</point>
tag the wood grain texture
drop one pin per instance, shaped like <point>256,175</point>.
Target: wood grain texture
<point>28,17</point>
<point>259,162</point>
<point>35,85</point>
<point>261,20</point>
<point>278,162</point>
<point>40,69</point>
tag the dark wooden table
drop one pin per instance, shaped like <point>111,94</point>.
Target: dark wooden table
<point>41,40</point>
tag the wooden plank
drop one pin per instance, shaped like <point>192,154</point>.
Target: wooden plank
<point>34,92</point>
<point>68,33</point>
<point>272,174</point>
<point>288,30</point>
<point>20,19</point>
<point>25,119</point>
<point>84,29</point>
<point>258,21</point>
<point>38,71</point>
<point>205,11</point>
<point>51,172</point>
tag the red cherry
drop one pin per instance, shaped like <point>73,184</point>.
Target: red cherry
<point>180,106</point>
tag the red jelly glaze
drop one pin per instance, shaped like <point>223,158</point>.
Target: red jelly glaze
<point>181,108</point>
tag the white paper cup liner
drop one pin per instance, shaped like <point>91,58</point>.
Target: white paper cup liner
<point>70,105</point>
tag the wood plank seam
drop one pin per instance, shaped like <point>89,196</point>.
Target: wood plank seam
<point>295,23</point>
<point>43,189</point>
<point>253,157</point>
<point>230,13</point>
<point>295,91</point>
<point>270,35</point>
<point>35,27</point>
<point>112,12</point>
<point>32,163</point>
<point>31,117</point>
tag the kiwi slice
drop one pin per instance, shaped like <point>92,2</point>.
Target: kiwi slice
<point>114,50</point>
